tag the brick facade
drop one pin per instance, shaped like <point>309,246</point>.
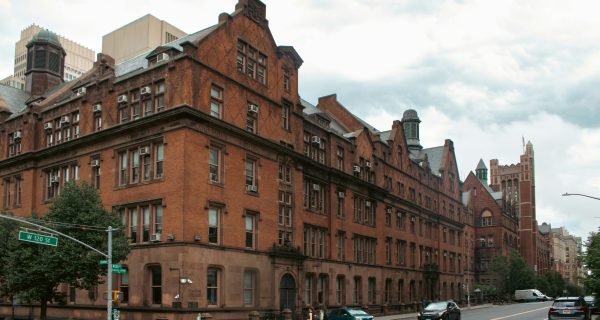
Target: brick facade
<point>230,180</point>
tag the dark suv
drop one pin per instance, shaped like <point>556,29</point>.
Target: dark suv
<point>569,308</point>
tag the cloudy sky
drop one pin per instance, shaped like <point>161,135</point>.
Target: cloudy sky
<point>486,74</point>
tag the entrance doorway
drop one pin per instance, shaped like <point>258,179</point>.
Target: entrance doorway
<point>287,293</point>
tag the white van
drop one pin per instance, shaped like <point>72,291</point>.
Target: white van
<point>528,295</point>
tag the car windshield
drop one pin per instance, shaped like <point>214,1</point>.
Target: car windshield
<point>357,312</point>
<point>565,303</point>
<point>436,306</point>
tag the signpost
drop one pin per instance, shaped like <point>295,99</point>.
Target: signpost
<point>38,238</point>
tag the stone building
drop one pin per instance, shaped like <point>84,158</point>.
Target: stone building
<point>496,228</point>
<point>567,249</point>
<point>223,176</point>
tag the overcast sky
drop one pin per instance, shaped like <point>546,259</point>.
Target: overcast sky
<point>485,74</point>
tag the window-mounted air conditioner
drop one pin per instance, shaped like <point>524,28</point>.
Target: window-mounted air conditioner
<point>122,99</point>
<point>144,91</point>
<point>162,57</point>
<point>54,179</point>
<point>144,151</point>
<point>252,108</point>
<point>80,91</point>
<point>95,163</point>
<point>315,140</point>
<point>341,195</point>
<point>368,164</point>
<point>64,120</point>
<point>97,108</point>
<point>155,237</point>
<point>368,204</point>
<point>356,168</point>
<point>251,188</point>
<point>48,126</point>
<point>412,219</point>
<point>316,187</point>
<point>17,135</point>
<point>388,210</point>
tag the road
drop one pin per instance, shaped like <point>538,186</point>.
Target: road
<point>516,311</point>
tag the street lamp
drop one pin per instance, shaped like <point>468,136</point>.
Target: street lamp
<point>566,194</point>
<point>180,281</point>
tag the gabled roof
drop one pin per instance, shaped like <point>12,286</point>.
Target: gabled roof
<point>140,62</point>
<point>434,157</point>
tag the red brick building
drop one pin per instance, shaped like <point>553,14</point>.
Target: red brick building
<point>222,175</point>
<point>496,229</point>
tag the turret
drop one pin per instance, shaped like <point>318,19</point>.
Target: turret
<point>45,63</point>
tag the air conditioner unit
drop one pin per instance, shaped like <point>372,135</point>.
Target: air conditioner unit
<point>95,163</point>
<point>48,126</point>
<point>155,237</point>
<point>144,91</point>
<point>368,204</point>
<point>197,238</point>
<point>315,140</point>
<point>356,168</point>
<point>54,179</point>
<point>144,151</point>
<point>97,108</point>
<point>412,219</point>
<point>341,195</point>
<point>251,188</point>
<point>122,99</point>
<point>316,187</point>
<point>252,108</point>
<point>80,91</point>
<point>17,135</point>
<point>368,164</point>
<point>64,120</point>
<point>388,210</point>
<point>162,57</point>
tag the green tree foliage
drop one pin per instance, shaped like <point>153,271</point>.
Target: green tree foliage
<point>512,273</point>
<point>35,271</point>
<point>551,284</point>
<point>592,261</point>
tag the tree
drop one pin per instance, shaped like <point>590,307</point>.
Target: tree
<point>592,261</point>
<point>36,271</point>
<point>512,273</point>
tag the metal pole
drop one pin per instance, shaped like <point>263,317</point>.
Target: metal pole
<point>566,194</point>
<point>468,293</point>
<point>109,276</point>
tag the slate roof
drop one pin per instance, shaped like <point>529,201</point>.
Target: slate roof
<point>481,165</point>
<point>434,156</point>
<point>14,98</point>
<point>139,62</point>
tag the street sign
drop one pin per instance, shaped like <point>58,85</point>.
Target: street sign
<point>115,266</point>
<point>103,262</point>
<point>38,238</point>
<point>119,271</point>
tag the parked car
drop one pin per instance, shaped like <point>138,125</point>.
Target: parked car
<point>348,314</point>
<point>591,301</point>
<point>528,295</point>
<point>446,310</point>
<point>569,308</point>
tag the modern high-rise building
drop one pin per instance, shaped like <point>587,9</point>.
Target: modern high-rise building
<point>79,59</point>
<point>139,36</point>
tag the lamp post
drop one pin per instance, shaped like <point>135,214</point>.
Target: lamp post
<point>566,194</point>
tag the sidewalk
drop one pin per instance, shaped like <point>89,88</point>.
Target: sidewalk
<point>413,315</point>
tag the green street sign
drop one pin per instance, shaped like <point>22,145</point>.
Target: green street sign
<point>119,271</point>
<point>117,266</point>
<point>38,238</point>
<point>103,262</point>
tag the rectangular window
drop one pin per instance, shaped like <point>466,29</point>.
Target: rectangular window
<point>315,242</point>
<point>146,167</point>
<point>97,121</point>
<point>285,172</point>
<point>251,183</point>
<point>216,102</point>
<point>156,276</point>
<point>250,228</point>
<point>340,158</point>
<point>341,246</point>
<point>286,109</point>
<point>357,291</point>
<point>124,287</point>
<point>214,164</point>
<point>7,193</point>
<point>157,219</point>
<point>212,286</point>
<point>285,217</point>
<point>371,291</point>
<point>145,223</point>
<point>249,287</point>
<point>96,173</point>
<point>321,289</point>
<point>286,79</point>
<point>214,222</point>
<point>314,196</point>
<point>159,160</point>
<point>308,289</point>
<point>340,290</point>
<point>123,168</point>
<point>135,166</point>
<point>141,163</point>
<point>143,220</point>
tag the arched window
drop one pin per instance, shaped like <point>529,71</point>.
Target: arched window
<point>486,218</point>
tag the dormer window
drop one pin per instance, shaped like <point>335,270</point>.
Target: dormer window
<point>251,62</point>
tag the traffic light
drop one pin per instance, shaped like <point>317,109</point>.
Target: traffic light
<point>117,295</point>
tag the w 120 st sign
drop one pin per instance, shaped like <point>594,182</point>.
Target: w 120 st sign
<point>38,238</point>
